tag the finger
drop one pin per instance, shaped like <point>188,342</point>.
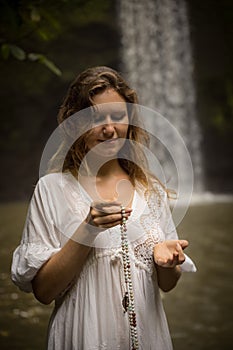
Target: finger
<point>105,205</point>
<point>108,219</point>
<point>104,209</point>
<point>102,212</point>
<point>112,216</point>
<point>179,255</point>
<point>175,261</point>
<point>110,224</point>
<point>178,248</point>
<point>183,243</point>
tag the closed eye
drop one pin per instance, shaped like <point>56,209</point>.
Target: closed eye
<point>99,118</point>
<point>117,117</point>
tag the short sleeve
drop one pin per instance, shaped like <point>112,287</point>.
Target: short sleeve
<point>169,230</point>
<point>40,240</point>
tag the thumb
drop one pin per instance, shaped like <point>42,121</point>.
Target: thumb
<point>183,243</point>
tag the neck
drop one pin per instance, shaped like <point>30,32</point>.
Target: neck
<point>110,168</point>
<point>111,183</point>
<point>105,169</point>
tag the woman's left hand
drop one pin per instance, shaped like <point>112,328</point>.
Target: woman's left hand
<point>170,253</point>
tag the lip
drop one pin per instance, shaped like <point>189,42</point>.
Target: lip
<point>109,140</point>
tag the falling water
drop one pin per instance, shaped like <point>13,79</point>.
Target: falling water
<point>157,60</point>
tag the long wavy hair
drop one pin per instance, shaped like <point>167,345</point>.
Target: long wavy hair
<point>79,97</point>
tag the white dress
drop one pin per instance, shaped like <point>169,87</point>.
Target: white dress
<point>89,314</point>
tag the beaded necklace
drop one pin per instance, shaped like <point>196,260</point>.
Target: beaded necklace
<point>128,299</point>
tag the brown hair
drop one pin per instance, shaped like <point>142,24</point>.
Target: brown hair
<point>79,96</point>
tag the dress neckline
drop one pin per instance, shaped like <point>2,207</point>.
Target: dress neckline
<point>88,197</point>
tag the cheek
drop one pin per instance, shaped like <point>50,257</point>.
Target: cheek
<point>125,127</point>
<point>123,130</point>
<point>91,138</point>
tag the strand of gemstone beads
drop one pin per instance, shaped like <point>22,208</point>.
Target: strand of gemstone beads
<point>128,299</point>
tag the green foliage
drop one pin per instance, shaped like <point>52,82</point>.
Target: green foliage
<point>35,57</point>
<point>30,66</point>
<point>16,51</point>
<point>19,54</point>
<point>39,40</point>
<point>29,24</point>
<point>25,20</point>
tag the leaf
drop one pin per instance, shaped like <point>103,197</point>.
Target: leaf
<point>50,65</point>
<point>43,34</point>
<point>45,61</point>
<point>5,50</point>
<point>17,52</point>
<point>33,56</point>
<point>35,15</point>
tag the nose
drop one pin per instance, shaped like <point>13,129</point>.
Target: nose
<point>108,126</point>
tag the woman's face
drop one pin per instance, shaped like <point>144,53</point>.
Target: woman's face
<point>110,124</point>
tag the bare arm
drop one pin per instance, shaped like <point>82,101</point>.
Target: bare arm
<point>168,255</point>
<point>56,274</point>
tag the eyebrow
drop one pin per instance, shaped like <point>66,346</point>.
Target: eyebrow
<point>101,112</point>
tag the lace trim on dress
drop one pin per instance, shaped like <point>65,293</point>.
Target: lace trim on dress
<point>150,223</point>
<point>155,201</point>
<point>144,252</point>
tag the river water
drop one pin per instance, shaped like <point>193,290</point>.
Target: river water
<point>199,309</point>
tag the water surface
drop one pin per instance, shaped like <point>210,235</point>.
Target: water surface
<point>199,309</point>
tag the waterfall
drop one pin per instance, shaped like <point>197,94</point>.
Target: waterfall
<point>157,61</point>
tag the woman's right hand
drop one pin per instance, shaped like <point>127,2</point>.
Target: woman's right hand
<point>105,215</point>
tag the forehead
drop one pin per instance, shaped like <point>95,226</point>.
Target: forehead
<point>109,101</point>
<point>108,96</point>
<point>110,108</point>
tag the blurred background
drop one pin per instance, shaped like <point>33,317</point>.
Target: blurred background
<point>178,55</point>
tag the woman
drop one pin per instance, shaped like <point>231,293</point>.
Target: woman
<point>98,238</point>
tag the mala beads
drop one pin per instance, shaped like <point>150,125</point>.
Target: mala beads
<point>128,299</point>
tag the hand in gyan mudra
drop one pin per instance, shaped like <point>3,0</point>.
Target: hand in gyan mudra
<point>170,253</point>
